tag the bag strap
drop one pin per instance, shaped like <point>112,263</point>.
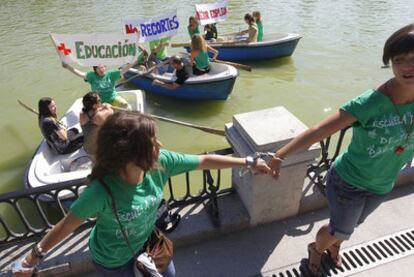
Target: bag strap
<point>115,211</point>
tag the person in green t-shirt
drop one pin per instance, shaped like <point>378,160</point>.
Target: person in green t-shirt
<point>259,22</point>
<point>193,26</point>
<point>199,55</point>
<point>252,31</point>
<point>382,143</point>
<point>129,161</point>
<point>142,60</point>
<point>159,48</point>
<point>103,82</point>
<point>159,55</point>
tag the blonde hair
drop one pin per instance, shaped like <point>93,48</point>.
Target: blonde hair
<point>198,43</point>
<point>192,18</point>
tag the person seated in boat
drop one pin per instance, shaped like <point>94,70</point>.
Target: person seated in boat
<point>193,26</point>
<point>94,114</point>
<point>252,31</point>
<point>180,71</point>
<point>58,138</point>
<point>259,22</point>
<point>199,58</point>
<point>159,55</point>
<point>103,82</point>
<point>142,60</point>
<point>210,32</point>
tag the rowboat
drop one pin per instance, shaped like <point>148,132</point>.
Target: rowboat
<point>46,167</point>
<point>273,46</point>
<point>215,85</point>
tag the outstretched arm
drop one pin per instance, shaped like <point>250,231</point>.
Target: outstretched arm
<point>128,66</point>
<point>220,162</point>
<point>75,71</point>
<point>324,129</point>
<point>60,231</point>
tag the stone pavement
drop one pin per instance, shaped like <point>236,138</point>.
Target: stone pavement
<point>255,251</point>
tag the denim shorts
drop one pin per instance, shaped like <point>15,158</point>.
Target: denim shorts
<point>349,206</point>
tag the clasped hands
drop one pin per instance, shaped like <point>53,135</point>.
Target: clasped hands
<point>268,163</point>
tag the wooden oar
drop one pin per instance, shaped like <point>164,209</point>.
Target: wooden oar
<point>180,44</point>
<point>199,127</point>
<point>216,43</point>
<point>135,76</point>
<point>230,34</point>
<point>142,73</point>
<point>210,130</point>
<point>28,107</point>
<point>236,65</point>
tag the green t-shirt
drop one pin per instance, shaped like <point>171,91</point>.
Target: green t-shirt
<point>140,59</point>
<point>370,161</point>
<point>162,53</point>
<point>137,207</point>
<point>104,85</point>
<point>193,32</point>
<point>202,60</point>
<point>259,24</point>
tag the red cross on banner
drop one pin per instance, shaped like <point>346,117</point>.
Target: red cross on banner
<point>66,51</point>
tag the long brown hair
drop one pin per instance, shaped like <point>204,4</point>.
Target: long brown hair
<point>43,107</point>
<point>249,18</point>
<point>124,137</point>
<point>198,43</point>
<point>191,19</point>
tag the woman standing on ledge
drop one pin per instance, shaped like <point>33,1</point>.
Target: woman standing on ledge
<point>382,142</point>
<point>128,159</point>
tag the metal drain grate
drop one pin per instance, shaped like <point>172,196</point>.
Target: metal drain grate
<point>357,258</point>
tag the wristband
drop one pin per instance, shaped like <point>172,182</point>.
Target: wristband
<point>251,161</point>
<point>37,252</point>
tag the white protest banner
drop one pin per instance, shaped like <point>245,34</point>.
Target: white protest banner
<point>211,13</point>
<point>153,28</point>
<point>97,49</point>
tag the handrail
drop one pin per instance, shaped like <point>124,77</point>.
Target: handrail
<point>208,195</point>
<point>317,172</point>
<point>48,196</point>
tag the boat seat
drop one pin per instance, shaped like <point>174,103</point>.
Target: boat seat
<point>83,162</point>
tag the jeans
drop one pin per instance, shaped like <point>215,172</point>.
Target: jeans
<point>349,206</point>
<point>127,270</point>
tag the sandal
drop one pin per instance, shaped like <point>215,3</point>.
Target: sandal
<point>314,260</point>
<point>333,253</point>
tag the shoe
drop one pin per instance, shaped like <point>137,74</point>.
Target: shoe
<point>314,260</point>
<point>333,253</point>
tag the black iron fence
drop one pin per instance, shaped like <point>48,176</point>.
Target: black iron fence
<point>316,173</point>
<point>32,205</point>
<point>39,200</point>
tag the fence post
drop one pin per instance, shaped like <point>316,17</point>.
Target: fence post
<point>266,199</point>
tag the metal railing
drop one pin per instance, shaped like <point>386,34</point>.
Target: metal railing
<point>39,200</point>
<point>208,194</point>
<point>316,173</point>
